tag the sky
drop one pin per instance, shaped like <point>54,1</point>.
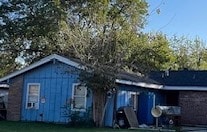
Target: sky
<point>178,17</point>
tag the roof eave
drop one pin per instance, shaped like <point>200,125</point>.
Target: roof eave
<point>140,84</point>
<point>185,88</point>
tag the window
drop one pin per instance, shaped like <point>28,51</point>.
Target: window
<point>33,91</point>
<point>134,100</point>
<point>79,97</point>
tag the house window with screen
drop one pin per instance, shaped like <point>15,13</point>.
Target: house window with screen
<point>79,97</point>
<point>33,94</point>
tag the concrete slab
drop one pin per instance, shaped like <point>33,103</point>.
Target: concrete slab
<point>193,129</point>
<point>153,129</point>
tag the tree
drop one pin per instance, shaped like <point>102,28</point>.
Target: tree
<point>26,28</point>
<point>150,52</point>
<point>189,53</point>
<point>198,55</point>
<point>96,29</point>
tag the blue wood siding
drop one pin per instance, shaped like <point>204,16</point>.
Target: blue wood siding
<point>56,80</point>
<point>108,120</point>
<point>145,103</point>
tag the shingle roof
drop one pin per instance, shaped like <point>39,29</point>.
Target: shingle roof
<point>137,80</point>
<point>180,78</point>
<point>134,77</point>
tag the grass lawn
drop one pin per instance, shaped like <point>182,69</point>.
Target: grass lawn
<point>8,126</point>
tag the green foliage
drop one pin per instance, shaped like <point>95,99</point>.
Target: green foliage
<point>79,118</point>
<point>150,52</point>
<point>108,14</point>
<point>95,35</point>
<point>26,28</point>
<point>7,63</point>
<point>189,53</point>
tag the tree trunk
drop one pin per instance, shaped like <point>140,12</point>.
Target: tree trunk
<point>98,107</point>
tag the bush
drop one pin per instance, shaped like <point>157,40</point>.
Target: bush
<point>80,118</point>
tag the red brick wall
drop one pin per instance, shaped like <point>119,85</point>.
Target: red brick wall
<point>193,107</point>
<point>15,99</point>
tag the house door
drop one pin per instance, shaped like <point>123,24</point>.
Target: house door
<point>146,102</point>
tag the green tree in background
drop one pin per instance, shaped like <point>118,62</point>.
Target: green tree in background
<point>150,52</point>
<point>25,27</point>
<point>189,53</point>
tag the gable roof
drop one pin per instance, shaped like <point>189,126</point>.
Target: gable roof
<point>41,62</point>
<point>122,77</point>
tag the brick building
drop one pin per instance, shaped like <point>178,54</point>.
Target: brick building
<point>187,89</point>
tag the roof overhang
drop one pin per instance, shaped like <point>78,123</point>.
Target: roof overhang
<point>185,88</point>
<point>140,84</point>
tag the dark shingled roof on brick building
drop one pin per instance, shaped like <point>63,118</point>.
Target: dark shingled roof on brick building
<point>180,77</point>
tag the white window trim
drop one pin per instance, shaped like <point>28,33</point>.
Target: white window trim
<point>38,84</point>
<point>135,101</point>
<point>74,109</point>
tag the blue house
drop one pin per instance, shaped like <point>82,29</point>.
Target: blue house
<point>46,90</point>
